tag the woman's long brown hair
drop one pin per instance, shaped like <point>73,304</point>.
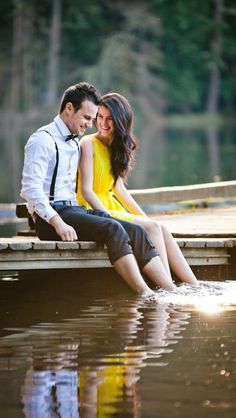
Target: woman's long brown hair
<point>124,142</point>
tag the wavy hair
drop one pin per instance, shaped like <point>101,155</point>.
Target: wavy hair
<point>124,142</point>
<point>78,93</point>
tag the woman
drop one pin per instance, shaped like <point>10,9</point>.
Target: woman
<point>107,157</point>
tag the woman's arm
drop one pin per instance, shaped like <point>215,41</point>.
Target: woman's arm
<point>124,196</point>
<point>86,175</point>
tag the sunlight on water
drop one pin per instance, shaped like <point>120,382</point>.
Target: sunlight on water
<point>209,297</point>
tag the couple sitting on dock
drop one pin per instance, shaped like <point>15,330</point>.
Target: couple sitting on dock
<point>51,178</point>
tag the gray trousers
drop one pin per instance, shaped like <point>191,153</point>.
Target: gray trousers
<point>120,237</point>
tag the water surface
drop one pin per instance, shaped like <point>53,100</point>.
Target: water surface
<point>88,347</point>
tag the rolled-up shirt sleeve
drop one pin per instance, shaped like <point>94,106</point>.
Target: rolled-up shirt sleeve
<point>39,152</point>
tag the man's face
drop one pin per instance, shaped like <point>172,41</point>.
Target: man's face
<point>82,119</point>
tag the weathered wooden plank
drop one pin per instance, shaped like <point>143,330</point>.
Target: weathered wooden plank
<point>44,245</point>
<point>37,244</point>
<point>203,243</point>
<point>54,264</point>
<point>19,246</point>
<point>53,259</point>
<point>230,243</point>
<point>219,261</point>
<point>205,252</point>
<point>175,194</point>
<point>29,253</point>
<point>206,242</point>
<point>18,239</point>
<point>74,245</point>
<point>37,256</point>
<point>89,245</point>
<point>203,235</point>
<point>206,256</point>
<point>194,244</point>
<point>215,244</point>
<point>41,259</point>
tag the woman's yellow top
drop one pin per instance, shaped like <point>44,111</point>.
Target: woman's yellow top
<point>103,183</point>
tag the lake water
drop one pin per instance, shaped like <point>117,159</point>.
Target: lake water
<point>83,345</point>
<point>181,156</point>
<point>171,156</point>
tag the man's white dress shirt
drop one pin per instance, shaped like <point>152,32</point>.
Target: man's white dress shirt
<point>39,165</point>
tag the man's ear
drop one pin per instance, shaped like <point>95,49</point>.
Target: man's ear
<point>69,107</point>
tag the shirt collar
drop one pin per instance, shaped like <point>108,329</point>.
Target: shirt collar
<point>64,131</point>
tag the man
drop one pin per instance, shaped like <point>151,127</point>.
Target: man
<point>49,185</point>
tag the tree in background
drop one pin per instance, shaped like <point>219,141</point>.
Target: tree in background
<point>197,49</point>
<point>54,53</point>
<point>166,56</point>
<point>188,50</point>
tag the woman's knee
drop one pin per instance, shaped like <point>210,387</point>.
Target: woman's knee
<point>165,230</point>
<point>153,227</point>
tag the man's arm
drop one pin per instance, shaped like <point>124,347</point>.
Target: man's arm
<point>39,151</point>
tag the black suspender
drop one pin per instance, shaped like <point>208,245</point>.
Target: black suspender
<point>77,174</point>
<point>54,176</point>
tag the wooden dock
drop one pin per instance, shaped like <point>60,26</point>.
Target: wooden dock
<point>203,192</point>
<point>28,253</point>
<point>207,237</point>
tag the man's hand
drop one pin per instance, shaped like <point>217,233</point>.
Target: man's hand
<point>65,231</point>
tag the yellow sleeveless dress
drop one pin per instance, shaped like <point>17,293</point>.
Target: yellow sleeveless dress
<point>103,183</point>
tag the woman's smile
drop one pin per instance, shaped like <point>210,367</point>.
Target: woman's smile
<point>105,122</point>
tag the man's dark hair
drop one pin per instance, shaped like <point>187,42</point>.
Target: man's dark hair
<point>79,93</point>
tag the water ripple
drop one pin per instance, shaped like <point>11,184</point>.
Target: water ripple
<point>208,295</point>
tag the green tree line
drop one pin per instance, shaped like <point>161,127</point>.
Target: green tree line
<point>180,55</point>
<point>166,56</point>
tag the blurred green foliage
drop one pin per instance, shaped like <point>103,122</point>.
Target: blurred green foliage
<point>175,61</point>
<point>160,49</point>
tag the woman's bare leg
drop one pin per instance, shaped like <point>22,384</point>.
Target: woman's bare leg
<point>168,250</point>
<point>178,263</point>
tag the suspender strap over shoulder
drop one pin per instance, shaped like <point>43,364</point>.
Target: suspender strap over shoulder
<point>54,176</point>
<point>77,174</point>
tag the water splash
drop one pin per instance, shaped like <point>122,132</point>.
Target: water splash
<point>208,296</point>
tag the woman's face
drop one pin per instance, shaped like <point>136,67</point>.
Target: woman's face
<point>105,123</point>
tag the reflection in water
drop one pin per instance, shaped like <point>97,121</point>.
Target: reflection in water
<point>75,367</point>
<point>214,153</point>
<point>48,393</point>
<point>128,357</point>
